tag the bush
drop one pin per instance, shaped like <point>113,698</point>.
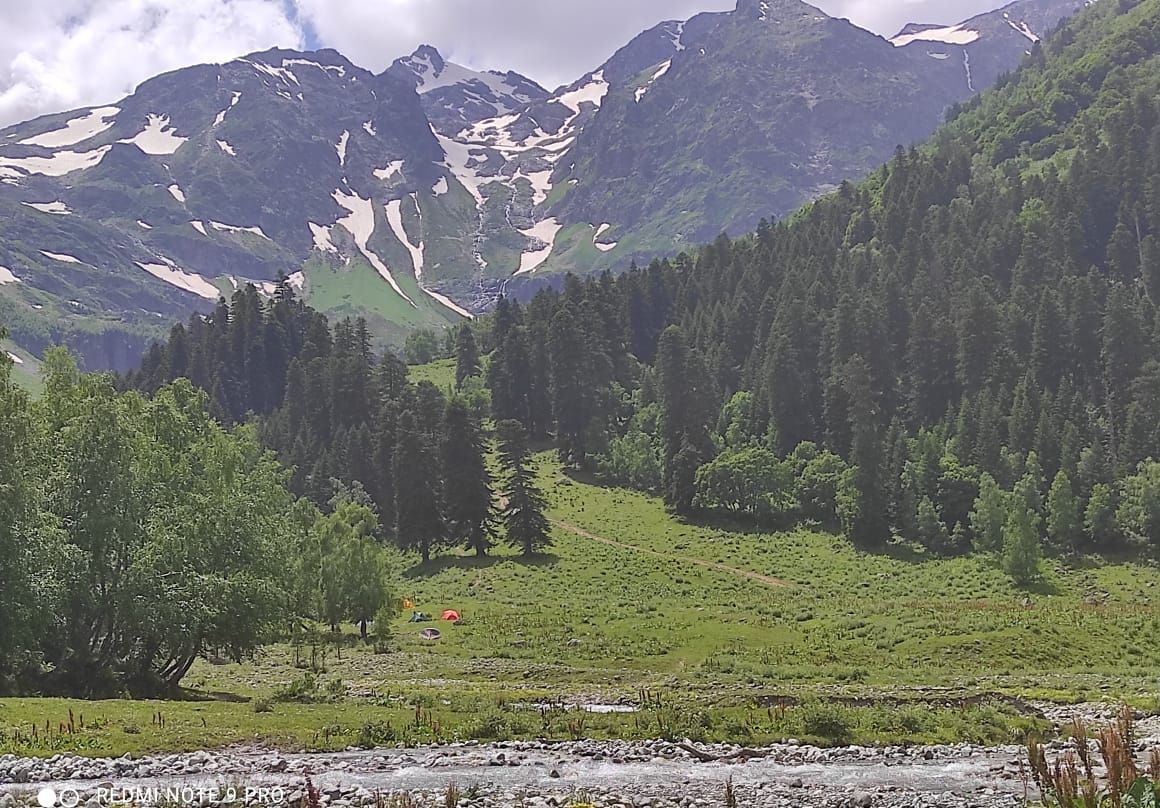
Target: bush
<point>497,725</point>
<point>825,720</point>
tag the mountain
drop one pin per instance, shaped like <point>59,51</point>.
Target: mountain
<point>753,112</point>
<point>123,217</point>
<point>414,195</point>
<point>455,97</point>
<point>988,42</point>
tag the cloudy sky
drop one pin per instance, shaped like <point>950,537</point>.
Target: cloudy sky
<point>63,54</point>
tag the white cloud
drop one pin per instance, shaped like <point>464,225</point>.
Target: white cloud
<point>62,54</point>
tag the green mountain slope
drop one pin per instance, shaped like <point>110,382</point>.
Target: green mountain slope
<point>766,108</point>
<point>959,352</point>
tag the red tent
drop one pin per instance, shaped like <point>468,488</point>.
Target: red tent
<point>450,615</point>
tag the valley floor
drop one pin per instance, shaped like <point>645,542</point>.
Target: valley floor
<point>666,629</point>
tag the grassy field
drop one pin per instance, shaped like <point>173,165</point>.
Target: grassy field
<point>713,633</point>
<point>440,373</point>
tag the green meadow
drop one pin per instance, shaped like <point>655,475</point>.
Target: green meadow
<point>713,633</point>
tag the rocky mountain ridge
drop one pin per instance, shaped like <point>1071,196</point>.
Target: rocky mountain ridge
<point>418,194</point>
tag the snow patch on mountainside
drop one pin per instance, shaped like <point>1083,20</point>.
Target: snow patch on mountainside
<point>395,220</point>
<point>451,304</point>
<point>144,225</point>
<point>59,208</point>
<point>664,68</point>
<point>279,73</point>
<point>954,35</point>
<point>338,70</point>
<point>75,130</point>
<point>544,232</point>
<point>16,360</point>
<point>64,258</point>
<point>394,167</point>
<point>177,193</point>
<point>230,228</point>
<point>541,185</point>
<point>199,227</point>
<point>227,148</point>
<point>341,147</point>
<point>1021,27</point>
<point>158,137</point>
<point>440,187</point>
<point>221,116</point>
<point>59,164</point>
<point>322,240</point>
<point>459,160</point>
<point>603,246</point>
<point>6,276</point>
<point>361,224</point>
<point>592,93</point>
<point>676,34</point>
<point>430,78</point>
<point>187,281</point>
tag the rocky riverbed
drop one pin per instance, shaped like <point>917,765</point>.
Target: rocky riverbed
<point>658,774</point>
<point>608,774</point>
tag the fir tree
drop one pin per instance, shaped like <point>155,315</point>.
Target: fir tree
<point>1021,548</point>
<point>418,486</point>
<point>1063,518</point>
<point>523,503</point>
<point>466,355</point>
<point>466,482</point>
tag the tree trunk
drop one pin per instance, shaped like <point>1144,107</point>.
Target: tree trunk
<point>362,629</point>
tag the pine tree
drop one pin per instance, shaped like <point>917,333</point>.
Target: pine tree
<point>1021,549</point>
<point>466,355</point>
<point>418,488</point>
<point>571,387</point>
<point>932,533</point>
<point>1063,518</point>
<point>869,529</point>
<point>467,488</point>
<point>523,503</point>
<point>989,516</point>
<point>1099,519</point>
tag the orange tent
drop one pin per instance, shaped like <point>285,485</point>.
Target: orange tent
<point>450,615</point>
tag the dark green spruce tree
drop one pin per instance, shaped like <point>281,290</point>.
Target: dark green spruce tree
<point>418,486</point>
<point>467,491</point>
<point>524,505</point>
<point>466,355</point>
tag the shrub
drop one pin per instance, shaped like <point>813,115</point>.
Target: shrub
<point>825,720</point>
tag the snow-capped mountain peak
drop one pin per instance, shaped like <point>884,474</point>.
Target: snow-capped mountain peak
<point>455,95</point>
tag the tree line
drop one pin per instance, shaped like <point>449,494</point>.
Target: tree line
<point>341,417</point>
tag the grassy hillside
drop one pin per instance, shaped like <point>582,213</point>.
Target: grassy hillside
<point>703,627</point>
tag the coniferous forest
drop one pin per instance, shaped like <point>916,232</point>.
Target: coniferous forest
<point>960,353</point>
